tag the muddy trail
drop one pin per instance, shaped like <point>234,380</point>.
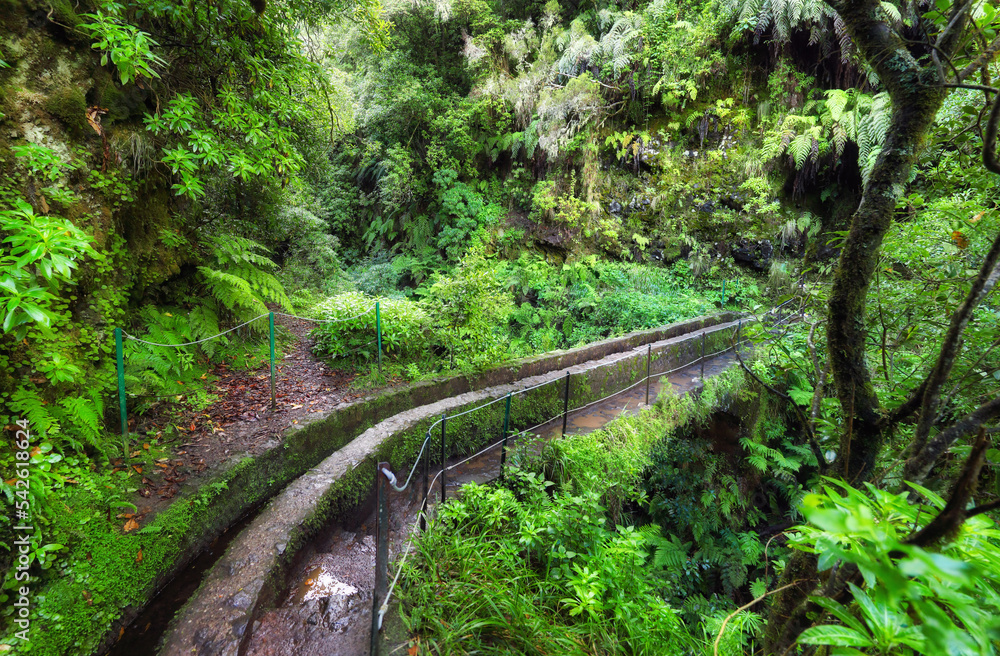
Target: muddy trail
<point>240,421</point>
<point>328,609</point>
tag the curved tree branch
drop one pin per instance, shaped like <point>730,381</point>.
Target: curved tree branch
<point>947,355</point>
<point>990,160</point>
<point>951,517</point>
<point>920,465</point>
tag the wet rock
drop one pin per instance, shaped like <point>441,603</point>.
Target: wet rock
<point>756,254</point>
<point>615,207</point>
<point>239,626</point>
<point>313,619</point>
<point>241,599</point>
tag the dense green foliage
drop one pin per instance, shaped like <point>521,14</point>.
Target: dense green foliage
<point>507,178</point>
<point>554,561</point>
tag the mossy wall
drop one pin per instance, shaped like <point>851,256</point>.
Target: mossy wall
<point>470,427</point>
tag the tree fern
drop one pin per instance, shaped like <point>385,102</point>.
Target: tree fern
<point>233,292</point>
<point>622,42</point>
<point>800,148</point>
<point>204,322</point>
<point>836,101</point>
<point>751,547</point>
<point>784,17</point>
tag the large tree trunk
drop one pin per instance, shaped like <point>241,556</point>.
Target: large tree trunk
<point>916,95</point>
<point>861,442</point>
<point>913,114</point>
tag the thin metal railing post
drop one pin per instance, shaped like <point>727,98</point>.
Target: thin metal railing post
<point>444,424</point>
<point>565,405</point>
<point>270,322</point>
<point>703,356</point>
<point>506,427</point>
<point>723,294</point>
<point>381,553</point>
<point>427,478</point>
<point>120,363</point>
<point>649,357</point>
<point>378,334</point>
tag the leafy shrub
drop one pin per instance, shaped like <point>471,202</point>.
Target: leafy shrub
<point>911,600</point>
<point>375,275</point>
<point>463,213</point>
<point>405,326</point>
<point>472,308</point>
<point>537,575</point>
<point>124,45</point>
<point>624,311</point>
<point>42,255</point>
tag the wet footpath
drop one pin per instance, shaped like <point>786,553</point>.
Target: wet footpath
<point>327,611</point>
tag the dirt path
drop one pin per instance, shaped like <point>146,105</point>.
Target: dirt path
<point>240,422</point>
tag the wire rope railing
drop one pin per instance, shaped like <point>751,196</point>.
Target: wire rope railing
<point>385,476</point>
<point>120,355</point>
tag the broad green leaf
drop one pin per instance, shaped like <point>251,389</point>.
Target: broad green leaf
<point>838,636</point>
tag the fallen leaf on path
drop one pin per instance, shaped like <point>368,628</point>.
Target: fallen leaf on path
<point>130,525</point>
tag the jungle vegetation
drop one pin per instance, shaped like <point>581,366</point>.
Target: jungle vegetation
<point>509,177</point>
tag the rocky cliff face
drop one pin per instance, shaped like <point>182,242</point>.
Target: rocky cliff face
<point>73,146</point>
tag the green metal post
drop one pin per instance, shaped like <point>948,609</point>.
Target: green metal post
<point>723,293</point>
<point>274,402</point>
<point>121,381</point>
<point>506,429</point>
<point>565,405</point>
<point>649,357</point>
<point>378,334</point>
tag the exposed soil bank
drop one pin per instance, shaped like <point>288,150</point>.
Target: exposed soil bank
<point>252,575</point>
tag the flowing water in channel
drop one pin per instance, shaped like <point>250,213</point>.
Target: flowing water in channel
<point>327,611</point>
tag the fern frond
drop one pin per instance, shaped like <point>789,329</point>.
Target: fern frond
<point>82,414</point>
<point>234,292</point>
<point>800,148</point>
<point>891,11</point>
<point>28,405</point>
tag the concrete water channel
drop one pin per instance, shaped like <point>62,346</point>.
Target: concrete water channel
<point>301,565</point>
<point>327,611</point>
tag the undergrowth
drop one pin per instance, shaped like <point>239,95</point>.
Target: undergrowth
<point>562,558</point>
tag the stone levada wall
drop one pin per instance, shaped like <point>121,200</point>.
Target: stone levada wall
<point>252,574</point>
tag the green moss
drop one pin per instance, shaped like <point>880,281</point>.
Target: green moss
<point>62,11</point>
<point>121,104</point>
<point>13,19</point>
<point>69,106</point>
